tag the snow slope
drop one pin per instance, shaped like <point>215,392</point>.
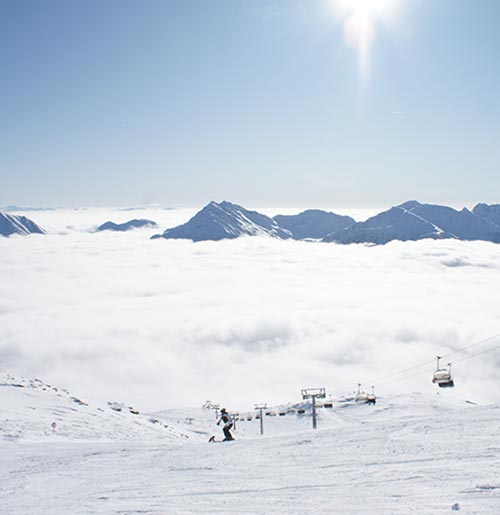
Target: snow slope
<point>313,223</point>
<point>220,221</point>
<point>13,224</point>
<point>410,454</point>
<point>415,221</point>
<point>488,212</point>
<point>29,408</point>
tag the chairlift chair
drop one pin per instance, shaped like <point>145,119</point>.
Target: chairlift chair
<point>361,396</point>
<point>371,397</point>
<point>442,376</point>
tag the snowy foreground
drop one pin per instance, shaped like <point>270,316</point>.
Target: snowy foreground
<point>408,454</point>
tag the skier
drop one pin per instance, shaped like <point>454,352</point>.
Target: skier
<point>228,424</point>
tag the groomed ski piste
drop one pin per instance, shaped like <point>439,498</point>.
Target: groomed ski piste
<point>418,454</point>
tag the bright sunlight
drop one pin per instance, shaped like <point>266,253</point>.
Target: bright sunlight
<point>360,19</point>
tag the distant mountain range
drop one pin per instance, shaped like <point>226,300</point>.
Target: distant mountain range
<point>19,208</point>
<point>408,221</point>
<point>13,224</point>
<point>127,226</point>
<point>415,221</point>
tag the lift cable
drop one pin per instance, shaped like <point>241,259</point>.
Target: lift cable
<point>472,345</point>
<point>455,362</point>
<point>477,354</point>
<point>377,382</point>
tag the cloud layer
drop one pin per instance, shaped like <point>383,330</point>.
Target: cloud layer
<point>168,323</point>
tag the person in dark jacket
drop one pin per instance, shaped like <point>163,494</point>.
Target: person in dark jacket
<point>226,419</point>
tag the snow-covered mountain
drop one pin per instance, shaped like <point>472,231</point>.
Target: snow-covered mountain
<point>489,212</point>
<point>127,226</point>
<point>13,224</point>
<point>409,221</point>
<point>313,223</point>
<point>415,221</point>
<point>219,221</point>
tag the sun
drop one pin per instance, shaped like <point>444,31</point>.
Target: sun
<point>361,19</point>
<point>369,8</point>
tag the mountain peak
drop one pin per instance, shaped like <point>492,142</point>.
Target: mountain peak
<point>219,221</point>
<point>126,226</point>
<point>14,224</point>
<point>410,204</point>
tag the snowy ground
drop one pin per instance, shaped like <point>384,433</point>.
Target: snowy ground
<point>31,410</point>
<point>409,454</point>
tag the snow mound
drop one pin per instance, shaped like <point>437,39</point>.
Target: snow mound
<point>31,410</point>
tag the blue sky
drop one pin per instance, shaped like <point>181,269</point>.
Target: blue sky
<point>261,102</point>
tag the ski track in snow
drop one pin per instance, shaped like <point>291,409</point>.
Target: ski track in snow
<point>396,458</point>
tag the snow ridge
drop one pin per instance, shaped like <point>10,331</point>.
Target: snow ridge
<point>32,410</point>
<point>415,221</point>
<point>218,221</point>
<point>13,224</point>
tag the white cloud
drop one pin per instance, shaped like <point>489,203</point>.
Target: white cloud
<point>168,323</point>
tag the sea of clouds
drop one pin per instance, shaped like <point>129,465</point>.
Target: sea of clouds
<point>170,323</point>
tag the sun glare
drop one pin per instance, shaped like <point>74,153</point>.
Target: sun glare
<point>360,19</point>
<point>373,8</point>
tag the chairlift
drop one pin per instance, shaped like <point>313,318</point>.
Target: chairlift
<point>371,397</point>
<point>442,376</point>
<point>328,403</point>
<point>361,396</point>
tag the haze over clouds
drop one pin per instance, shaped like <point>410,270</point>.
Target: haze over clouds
<point>171,323</point>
